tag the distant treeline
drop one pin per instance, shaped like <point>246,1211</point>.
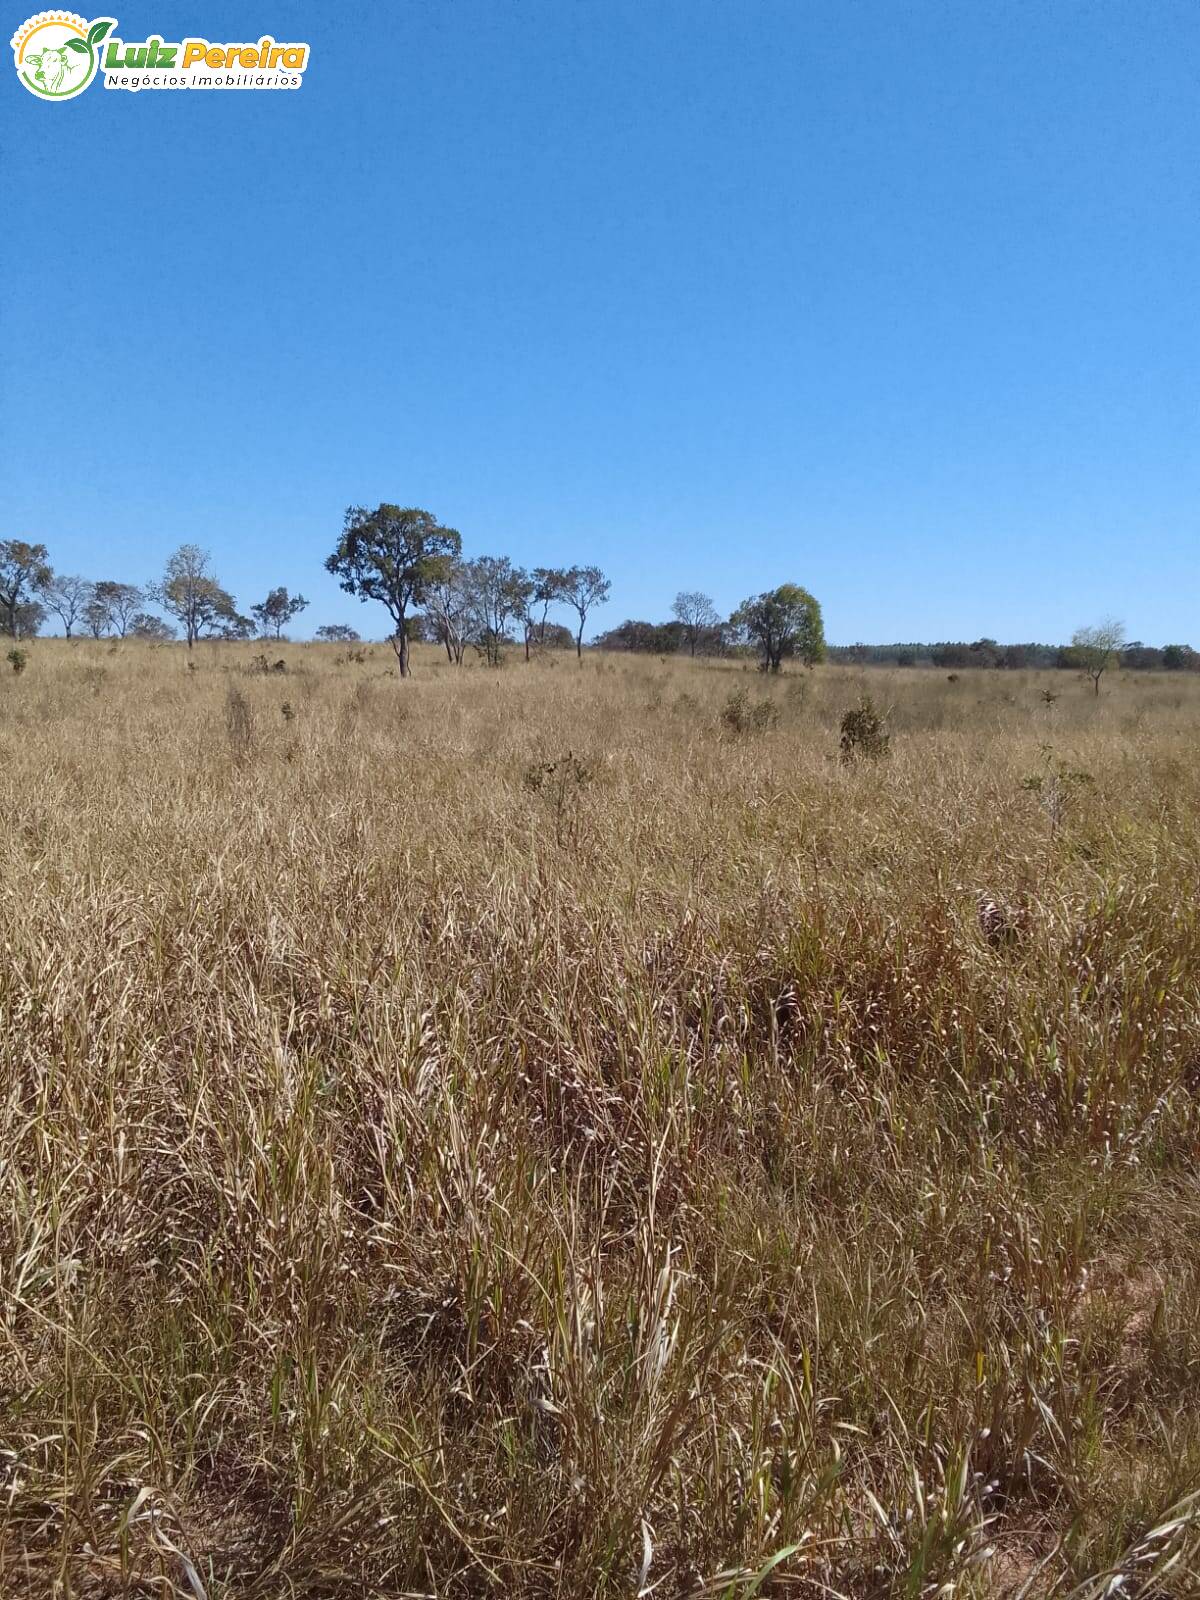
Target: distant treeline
<point>989,653</point>
<point>669,638</point>
<point>412,565</point>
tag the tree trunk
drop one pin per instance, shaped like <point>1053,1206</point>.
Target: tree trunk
<point>579,641</point>
<point>400,646</point>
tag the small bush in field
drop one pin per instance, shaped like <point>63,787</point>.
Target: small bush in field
<point>18,660</point>
<point>560,783</point>
<point>740,714</point>
<point>287,711</point>
<point>1056,786</point>
<point>864,734</point>
<point>239,724</point>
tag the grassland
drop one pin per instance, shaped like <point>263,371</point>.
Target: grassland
<point>431,1166</point>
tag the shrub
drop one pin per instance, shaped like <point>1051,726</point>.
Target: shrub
<point>1056,786</point>
<point>18,660</point>
<point>239,724</point>
<point>741,715</point>
<point>560,783</point>
<point>864,733</point>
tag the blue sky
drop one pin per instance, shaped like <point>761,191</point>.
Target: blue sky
<point>896,301</point>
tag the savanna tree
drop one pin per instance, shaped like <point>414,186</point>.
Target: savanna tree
<point>1095,649</point>
<point>121,602</point>
<point>190,593</point>
<point>393,554</point>
<point>95,617</point>
<point>448,608</point>
<point>66,596</point>
<point>697,615</point>
<point>783,623</point>
<point>24,572</point>
<point>276,611</point>
<point>547,588</point>
<point>145,625</point>
<point>338,633</point>
<point>526,605</point>
<point>225,621</point>
<point>495,589</point>
<point>581,588</point>
<point>27,619</point>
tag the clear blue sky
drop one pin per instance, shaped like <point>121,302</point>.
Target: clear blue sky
<point>901,302</point>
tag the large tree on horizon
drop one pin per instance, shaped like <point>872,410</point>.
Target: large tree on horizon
<point>783,622</point>
<point>24,572</point>
<point>393,554</point>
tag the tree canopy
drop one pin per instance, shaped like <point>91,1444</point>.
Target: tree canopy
<point>393,554</point>
<point>783,623</point>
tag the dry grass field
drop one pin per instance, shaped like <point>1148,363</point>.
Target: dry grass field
<point>517,1133</point>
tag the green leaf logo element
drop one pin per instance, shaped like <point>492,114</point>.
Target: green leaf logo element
<point>77,44</point>
<point>97,31</point>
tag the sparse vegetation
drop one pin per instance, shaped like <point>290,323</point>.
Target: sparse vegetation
<point>432,1165</point>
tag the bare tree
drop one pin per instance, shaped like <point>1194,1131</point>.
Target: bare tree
<point>582,588</point>
<point>448,607</point>
<point>67,596</point>
<point>697,614</point>
<point>1095,648</point>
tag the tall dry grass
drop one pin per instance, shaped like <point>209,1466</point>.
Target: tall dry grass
<point>433,1165</point>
